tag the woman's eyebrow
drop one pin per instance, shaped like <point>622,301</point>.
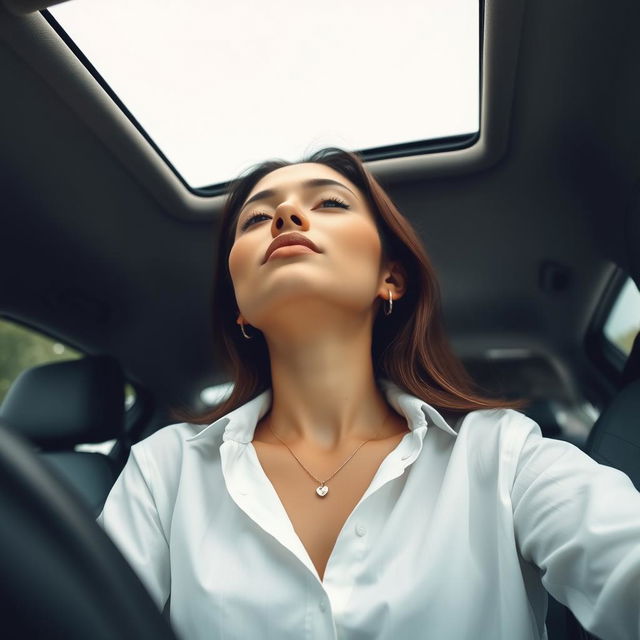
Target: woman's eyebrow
<point>316,182</point>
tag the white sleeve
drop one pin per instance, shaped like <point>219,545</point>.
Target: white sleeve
<point>130,518</point>
<point>579,522</point>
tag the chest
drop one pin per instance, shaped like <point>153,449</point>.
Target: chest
<point>318,520</point>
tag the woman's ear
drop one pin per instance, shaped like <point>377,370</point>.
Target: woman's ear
<point>394,279</point>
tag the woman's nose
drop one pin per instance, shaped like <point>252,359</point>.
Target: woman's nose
<point>287,215</point>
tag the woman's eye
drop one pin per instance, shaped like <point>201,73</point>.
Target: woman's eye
<point>336,201</point>
<point>249,221</point>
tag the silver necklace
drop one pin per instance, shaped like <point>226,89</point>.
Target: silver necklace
<point>322,490</point>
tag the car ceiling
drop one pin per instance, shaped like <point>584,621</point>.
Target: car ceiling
<point>104,248</point>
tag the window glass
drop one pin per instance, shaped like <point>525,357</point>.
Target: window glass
<point>213,396</point>
<point>623,322</point>
<point>22,348</point>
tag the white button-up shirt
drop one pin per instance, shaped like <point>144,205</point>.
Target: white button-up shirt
<point>457,537</point>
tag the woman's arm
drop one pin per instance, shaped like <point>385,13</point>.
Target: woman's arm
<point>130,518</point>
<point>579,522</point>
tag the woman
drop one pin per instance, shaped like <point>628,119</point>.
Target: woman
<point>355,484</point>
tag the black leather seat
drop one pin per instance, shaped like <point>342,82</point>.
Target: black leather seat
<point>614,440</point>
<point>58,405</point>
<point>615,437</point>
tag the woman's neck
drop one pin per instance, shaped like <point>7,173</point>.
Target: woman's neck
<point>325,393</point>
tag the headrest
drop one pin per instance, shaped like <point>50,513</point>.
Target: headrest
<point>61,404</point>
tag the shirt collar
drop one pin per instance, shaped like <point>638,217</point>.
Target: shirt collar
<point>240,424</point>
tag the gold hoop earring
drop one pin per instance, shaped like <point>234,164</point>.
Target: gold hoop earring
<point>244,333</point>
<point>388,313</point>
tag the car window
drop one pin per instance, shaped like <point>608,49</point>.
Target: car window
<point>22,347</point>
<point>213,396</point>
<point>623,322</point>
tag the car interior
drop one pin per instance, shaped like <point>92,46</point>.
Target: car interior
<point>533,226</point>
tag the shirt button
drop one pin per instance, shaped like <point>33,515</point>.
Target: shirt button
<point>361,529</point>
<point>323,605</point>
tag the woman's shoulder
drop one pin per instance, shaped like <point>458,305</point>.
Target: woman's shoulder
<point>491,441</point>
<point>165,454</point>
<point>497,428</point>
<point>170,441</point>
<point>499,417</point>
<point>171,433</point>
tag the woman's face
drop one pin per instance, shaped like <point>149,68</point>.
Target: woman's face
<point>345,274</point>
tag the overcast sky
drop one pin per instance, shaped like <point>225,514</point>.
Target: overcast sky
<point>220,87</point>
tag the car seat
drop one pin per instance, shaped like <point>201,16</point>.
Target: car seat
<point>59,405</point>
<point>614,441</point>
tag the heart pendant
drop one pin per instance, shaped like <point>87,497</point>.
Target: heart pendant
<point>322,490</point>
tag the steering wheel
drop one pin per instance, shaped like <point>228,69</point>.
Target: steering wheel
<point>61,576</point>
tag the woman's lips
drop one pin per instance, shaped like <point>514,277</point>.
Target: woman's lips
<point>289,239</point>
<point>290,250</point>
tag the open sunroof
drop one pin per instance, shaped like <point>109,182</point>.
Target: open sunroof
<point>220,87</point>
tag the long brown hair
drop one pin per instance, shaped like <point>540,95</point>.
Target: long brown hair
<point>409,347</point>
